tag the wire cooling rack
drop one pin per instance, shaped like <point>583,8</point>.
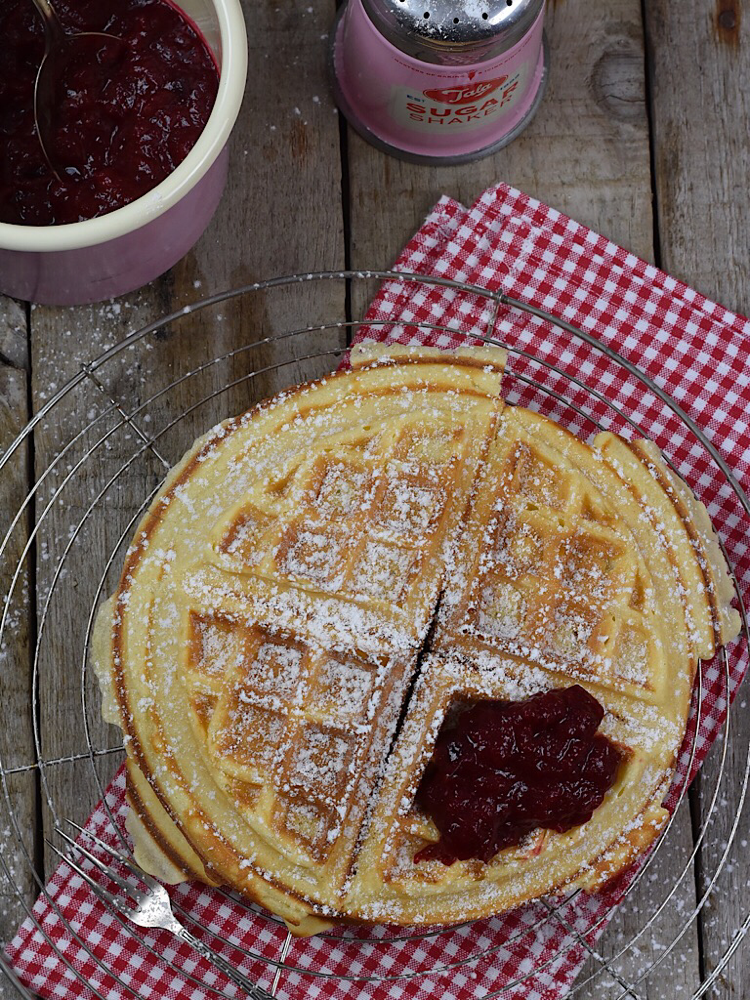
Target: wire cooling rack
<point>96,453</point>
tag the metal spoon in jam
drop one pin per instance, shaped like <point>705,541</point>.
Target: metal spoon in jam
<point>61,50</point>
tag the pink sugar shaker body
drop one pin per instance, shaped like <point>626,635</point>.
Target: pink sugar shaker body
<point>439,81</point>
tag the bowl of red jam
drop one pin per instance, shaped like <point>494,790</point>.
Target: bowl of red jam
<point>138,143</point>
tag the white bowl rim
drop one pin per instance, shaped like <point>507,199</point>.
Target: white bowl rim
<point>213,138</point>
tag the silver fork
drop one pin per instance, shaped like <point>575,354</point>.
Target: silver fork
<point>149,906</point>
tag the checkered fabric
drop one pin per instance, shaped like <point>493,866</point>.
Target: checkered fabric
<point>696,351</point>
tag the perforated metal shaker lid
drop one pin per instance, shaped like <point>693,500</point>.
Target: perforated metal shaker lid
<point>453,31</point>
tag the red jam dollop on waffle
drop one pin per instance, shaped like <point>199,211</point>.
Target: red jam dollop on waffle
<point>505,769</point>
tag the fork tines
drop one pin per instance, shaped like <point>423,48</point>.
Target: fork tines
<point>103,894</point>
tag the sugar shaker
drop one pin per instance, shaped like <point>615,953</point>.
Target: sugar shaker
<point>439,81</point>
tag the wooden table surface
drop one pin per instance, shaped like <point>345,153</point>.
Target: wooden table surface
<point>642,135</point>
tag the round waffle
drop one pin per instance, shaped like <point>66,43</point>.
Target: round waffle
<point>322,580</point>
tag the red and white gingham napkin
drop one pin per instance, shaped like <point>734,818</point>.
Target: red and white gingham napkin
<point>699,353</point>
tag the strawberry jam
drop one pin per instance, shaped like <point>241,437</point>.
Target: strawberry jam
<point>503,769</point>
<point>130,108</point>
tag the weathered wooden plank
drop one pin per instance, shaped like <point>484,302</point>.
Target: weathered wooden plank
<point>281,213</point>
<point>587,153</point>
<point>18,810</point>
<point>700,110</point>
<point>700,69</point>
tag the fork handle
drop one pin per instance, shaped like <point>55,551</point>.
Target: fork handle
<point>252,989</point>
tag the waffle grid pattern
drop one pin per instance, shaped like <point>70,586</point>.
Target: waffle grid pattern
<point>554,573</point>
<point>697,351</point>
<point>355,524</point>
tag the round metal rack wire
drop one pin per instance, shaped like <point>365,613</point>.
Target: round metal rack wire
<point>96,453</point>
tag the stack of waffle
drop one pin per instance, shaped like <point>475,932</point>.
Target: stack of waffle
<point>323,580</point>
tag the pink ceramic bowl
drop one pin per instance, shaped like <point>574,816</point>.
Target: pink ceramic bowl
<point>100,258</point>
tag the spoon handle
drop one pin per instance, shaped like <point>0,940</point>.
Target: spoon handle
<point>51,20</point>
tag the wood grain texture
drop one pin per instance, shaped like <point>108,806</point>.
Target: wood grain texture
<point>18,807</point>
<point>703,206</point>
<point>700,73</point>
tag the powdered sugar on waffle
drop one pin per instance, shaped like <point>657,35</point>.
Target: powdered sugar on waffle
<point>537,254</point>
